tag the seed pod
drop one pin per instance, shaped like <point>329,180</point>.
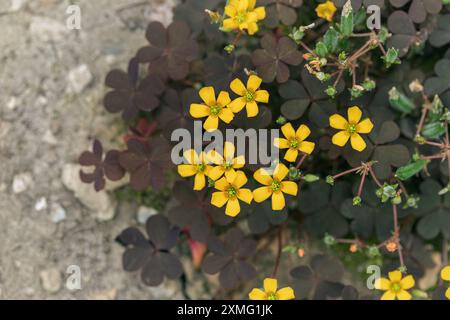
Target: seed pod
<point>406,172</point>
<point>400,102</point>
<point>433,130</point>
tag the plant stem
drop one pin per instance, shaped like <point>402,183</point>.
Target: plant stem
<point>300,162</point>
<point>372,174</point>
<point>347,172</point>
<point>397,235</point>
<point>280,247</point>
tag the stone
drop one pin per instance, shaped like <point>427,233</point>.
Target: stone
<point>12,103</point>
<point>144,213</point>
<point>22,182</point>
<point>5,127</point>
<point>49,138</point>
<point>51,280</point>
<point>48,29</point>
<point>104,295</point>
<point>57,213</point>
<point>41,204</point>
<point>79,78</point>
<point>16,5</point>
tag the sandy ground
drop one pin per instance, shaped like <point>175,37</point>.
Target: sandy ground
<point>51,91</point>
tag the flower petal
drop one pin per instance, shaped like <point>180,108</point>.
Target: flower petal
<point>199,110</point>
<point>270,285</point>
<point>388,295</point>
<point>358,142</point>
<point>285,294</point>
<point>230,24</point>
<point>221,184</point>
<point>252,109</point>
<point>238,162</point>
<point>226,115</point>
<point>338,122</point>
<point>216,172</point>
<point>233,208</point>
<point>354,114</point>
<point>307,147</point>
<point>242,5</point>
<point>262,96</point>
<point>240,179</point>
<point>302,132</point>
<point>263,177</point>
<point>211,123</point>
<point>208,95</point>
<point>199,181</point>
<point>253,83</point>
<point>219,199</point>
<point>364,126</point>
<point>291,155</point>
<point>191,156</point>
<point>288,131</point>
<point>447,293</point>
<point>228,150</point>
<point>404,295</point>
<point>257,294</point>
<point>281,143</point>
<point>230,175</point>
<point>445,273</point>
<point>224,99</point>
<point>260,12</point>
<point>407,282</point>
<point>186,170</point>
<point>278,202</point>
<point>237,105</point>
<point>289,187</point>
<point>340,138</point>
<point>261,194</point>
<point>281,171</point>
<point>230,11</point>
<point>382,284</point>
<point>238,87</point>
<point>253,26</point>
<point>395,276</point>
<point>245,195</point>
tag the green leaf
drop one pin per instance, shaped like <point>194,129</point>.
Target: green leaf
<point>347,23</point>
<point>433,130</point>
<point>406,172</point>
<point>400,102</point>
<point>331,39</point>
<point>321,49</point>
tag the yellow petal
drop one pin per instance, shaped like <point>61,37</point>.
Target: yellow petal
<point>238,87</point>
<point>253,83</point>
<point>281,143</point>
<point>252,109</point>
<point>404,295</point>
<point>228,150</point>
<point>270,285</point>
<point>288,131</point>
<point>262,96</point>
<point>252,27</point>
<point>285,294</point>
<point>407,282</point>
<point>252,18</point>
<point>307,147</point>
<point>237,105</point>
<point>230,175</point>
<point>302,132</point>
<point>364,126</point>
<point>338,122</point>
<point>187,170</point>
<point>289,187</point>
<point>216,172</point>
<point>219,199</point>
<point>208,95</point>
<point>281,171</point>
<point>251,4</point>
<point>238,162</point>
<point>340,138</point>
<point>263,177</point>
<point>278,202</point>
<point>445,273</point>
<point>230,11</point>
<point>240,179</point>
<point>226,115</point>
<point>382,284</point>
<point>291,155</point>
<point>191,156</point>
<point>447,294</point>
<point>223,99</point>
<point>230,24</point>
<point>213,156</point>
<point>357,142</point>
<point>233,208</point>
<point>354,114</point>
<point>245,195</point>
<point>211,123</point>
<point>395,276</point>
<point>199,110</point>
<point>222,184</point>
<point>260,13</point>
<point>242,5</point>
<point>388,295</point>
<point>199,181</point>
<point>261,194</point>
<point>257,294</point>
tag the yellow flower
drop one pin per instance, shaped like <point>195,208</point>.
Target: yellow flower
<point>295,141</point>
<point>198,167</point>
<point>351,128</point>
<point>395,286</point>
<point>274,186</point>
<point>225,164</point>
<point>270,292</point>
<point>243,15</point>
<point>230,193</point>
<point>326,10</point>
<point>248,96</point>
<point>212,109</point>
<point>445,275</point>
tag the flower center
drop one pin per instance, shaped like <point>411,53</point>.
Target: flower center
<point>396,287</point>
<point>351,128</point>
<point>227,166</point>
<point>293,144</point>
<point>201,167</point>
<point>241,17</point>
<point>215,110</point>
<point>272,296</point>
<point>249,96</point>
<point>275,185</point>
<point>231,191</point>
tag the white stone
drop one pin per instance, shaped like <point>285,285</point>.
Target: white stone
<point>5,127</point>
<point>12,103</point>
<point>57,213</point>
<point>49,137</point>
<point>16,5</point>
<point>47,29</point>
<point>79,78</point>
<point>22,182</point>
<point>51,280</point>
<point>41,204</point>
<point>104,295</point>
<point>144,213</point>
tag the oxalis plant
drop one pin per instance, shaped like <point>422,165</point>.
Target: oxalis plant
<point>356,205</point>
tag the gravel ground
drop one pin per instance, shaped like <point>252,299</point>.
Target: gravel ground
<point>51,91</point>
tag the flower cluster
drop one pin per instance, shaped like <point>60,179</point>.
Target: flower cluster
<point>242,15</point>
